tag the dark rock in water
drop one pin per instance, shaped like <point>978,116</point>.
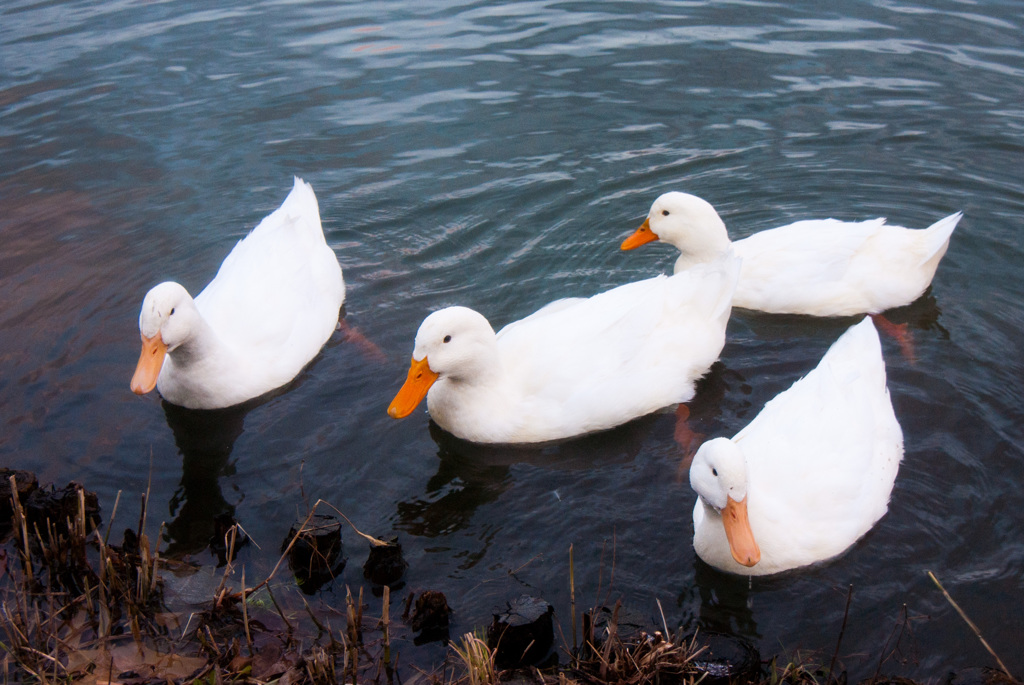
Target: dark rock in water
<point>220,541</point>
<point>24,481</point>
<point>726,658</point>
<point>979,676</point>
<point>430,617</point>
<point>521,634</point>
<point>60,506</point>
<point>385,565</point>
<point>314,558</point>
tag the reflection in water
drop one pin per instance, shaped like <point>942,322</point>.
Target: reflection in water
<point>205,439</point>
<point>725,602</point>
<point>472,474</point>
<point>711,391</point>
<point>922,314</point>
<point>462,483</point>
<point>896,323</point>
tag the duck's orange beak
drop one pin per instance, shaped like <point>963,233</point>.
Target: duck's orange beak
<point>737,530</point>
<point>150,361</point>
<point>641,236</point>
<point>414,390</point>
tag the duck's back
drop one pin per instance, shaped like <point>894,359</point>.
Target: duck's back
<point>835,268</point>
<point>823,456</point>
<point>277,295</point>
<point>584,364</point>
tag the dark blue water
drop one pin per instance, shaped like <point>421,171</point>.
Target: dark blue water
<point>494,155</point>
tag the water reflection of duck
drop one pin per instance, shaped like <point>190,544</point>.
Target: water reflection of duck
<point>821,267</point>
<point>205,439</point>
<point>470,474</point>
<point>574,367</point>
<point>726,603</point>
<point>810,475</point>
<point>271,307</point>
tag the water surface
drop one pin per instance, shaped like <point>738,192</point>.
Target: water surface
<point>494,155</point>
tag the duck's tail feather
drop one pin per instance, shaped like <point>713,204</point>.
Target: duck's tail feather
<point>937,236</point>
<point>300,212</point>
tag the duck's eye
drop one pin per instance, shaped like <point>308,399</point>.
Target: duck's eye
<point>447,338</point>
<point>172,311</point>
<point>664,212</point>
<point>714,472</point>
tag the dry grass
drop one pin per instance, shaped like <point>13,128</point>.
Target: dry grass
<point>646,659</point>
<point>476,661</point>
<point>74,608</point>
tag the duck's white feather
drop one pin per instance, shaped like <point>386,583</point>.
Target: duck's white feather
<point>821,459</point>
<point>580,365</point>
<point>272,305</point>
<point>821,267</point>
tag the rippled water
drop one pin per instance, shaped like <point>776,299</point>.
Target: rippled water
<point>494,155</point>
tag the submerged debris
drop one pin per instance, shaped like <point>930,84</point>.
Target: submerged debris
<point>46,507</point>
<point>385,565</point>
<point>24,484</point>
<point>723,659</point>
<point>227,538</point>
<point>618,622</point>
<point>315,556</point>
<point>979,676</point>
<point>430,617</point>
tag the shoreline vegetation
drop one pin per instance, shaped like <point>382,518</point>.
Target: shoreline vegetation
<point>78,609</point>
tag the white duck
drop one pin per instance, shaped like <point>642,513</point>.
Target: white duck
<point>575,366</point>
<point>821,267</point>
<point>271,307</point>
<point>809,475</point>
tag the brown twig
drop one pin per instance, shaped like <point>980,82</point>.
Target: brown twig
<point>885,653</point>
<point>842,629</point>
<point>245,613</point>
<point>572,600</point>
<point>284,554</point>
<point>372,540</point>
<point>229,539</point>
<point>970,624</point>
<point>113,513</point>
<point>281,614</point>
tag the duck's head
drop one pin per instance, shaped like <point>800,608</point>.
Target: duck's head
<point>166,321</point>
<point>455,343</point>
<point>719,475</point>
<point>683,220</point>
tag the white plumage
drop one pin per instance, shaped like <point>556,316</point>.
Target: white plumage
<point>575,366</point>
<point>814,469</point>
<point>821,267</point>
<point>271,307</point>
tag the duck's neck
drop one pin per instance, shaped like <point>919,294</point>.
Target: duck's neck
<point>201,342</point>
<point>195,370</point>
<point>482,374</point>
<point>707,242</point>
<point>473,404</point>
